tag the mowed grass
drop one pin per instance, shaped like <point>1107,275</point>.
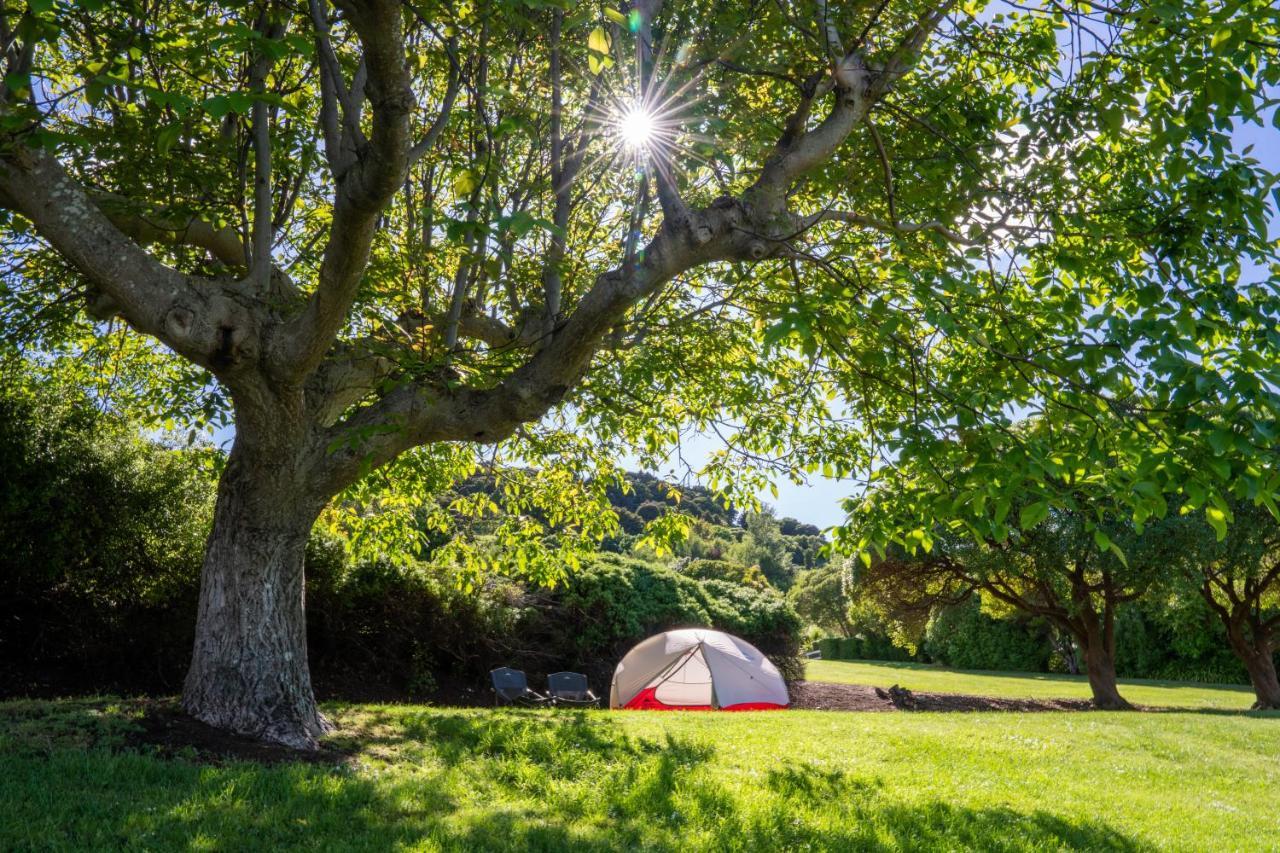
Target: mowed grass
<point>451,779</point>
<point>1026,685</point>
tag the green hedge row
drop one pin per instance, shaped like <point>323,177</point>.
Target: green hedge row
<point>865,647</point>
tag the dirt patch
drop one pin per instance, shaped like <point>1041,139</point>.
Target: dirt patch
<point>825,696</point>
<point>166,731</point>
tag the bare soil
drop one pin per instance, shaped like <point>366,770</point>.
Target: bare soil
<point>167,731</point>
<point>824,696</point>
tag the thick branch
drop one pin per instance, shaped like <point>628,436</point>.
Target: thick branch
<point>223,244</point>
<point>416,414</point>
<point>362,192</point>
<point>202,320</point>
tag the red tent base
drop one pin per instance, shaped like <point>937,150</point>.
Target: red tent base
<point>647,700</point>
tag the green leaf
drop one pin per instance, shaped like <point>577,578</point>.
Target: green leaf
<point>1032,514</point>
<point>166,137</point>
<point>598,58</point>
<point>465,183</point>
<point>1217,520</point>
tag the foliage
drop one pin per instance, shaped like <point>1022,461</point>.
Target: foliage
<point>965,637</point>
<point>764,546</point>
<point>723,570</point>
<point>452,779</point>
<point>102,534</point>
<point>615,602</point>
<point>820,597</point>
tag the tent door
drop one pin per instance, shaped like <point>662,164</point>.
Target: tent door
<point>687,683</point>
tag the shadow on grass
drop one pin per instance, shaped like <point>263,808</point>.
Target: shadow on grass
<point>461,780</point>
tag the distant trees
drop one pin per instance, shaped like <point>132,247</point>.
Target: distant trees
<point>1074,578</point>
<point>820,596</point>
<point>764,546</point>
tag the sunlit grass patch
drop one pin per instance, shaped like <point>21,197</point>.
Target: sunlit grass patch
<point>468,779</point>
<point>1026,685</point>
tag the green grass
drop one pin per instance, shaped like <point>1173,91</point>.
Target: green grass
<point>431,779</point>
<point>1026,685</point>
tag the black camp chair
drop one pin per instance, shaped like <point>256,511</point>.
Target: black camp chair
<point>570,688</point>
<point>511,688</point>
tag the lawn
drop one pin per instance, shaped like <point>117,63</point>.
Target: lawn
<point>1026,685</point>
<point>429,779</point>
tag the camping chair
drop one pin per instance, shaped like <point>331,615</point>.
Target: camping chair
<point>511,687</point>
<point>570,688</point>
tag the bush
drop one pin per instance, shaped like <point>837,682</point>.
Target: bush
<point>723,570</point>
<point>103,534</point>
<point>376,629</point>
<point>964,637</point>
<point>614,602</point>
<point>1181,642</point>
<point>830,648</point>
<point>650,510</point>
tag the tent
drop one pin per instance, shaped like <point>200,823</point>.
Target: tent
<point>697,669</point>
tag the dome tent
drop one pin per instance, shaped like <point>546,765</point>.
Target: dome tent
<point>697,669</point>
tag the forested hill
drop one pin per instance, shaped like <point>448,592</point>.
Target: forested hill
<point>646,490</point>
<point>724,542</point>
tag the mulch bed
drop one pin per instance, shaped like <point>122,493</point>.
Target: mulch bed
<point>168,732</point>
<point>824,696</point>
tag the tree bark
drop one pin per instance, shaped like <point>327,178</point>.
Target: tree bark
<point>1256,654</point>
<point>1101,669</point>
<point>1097,641</point>
<point>249,671</point>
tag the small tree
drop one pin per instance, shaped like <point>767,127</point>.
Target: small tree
<point>1239,577</point>
<point>1073,577</point>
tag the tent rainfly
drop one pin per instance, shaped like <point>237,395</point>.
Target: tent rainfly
<point>695,669</point>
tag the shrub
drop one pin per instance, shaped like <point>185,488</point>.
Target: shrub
<point>723,570</point>
<point>103,534</point>
<point>964,637</point>
<point>650,510</point>
<point>1182,640</point>
<point>614,602</point>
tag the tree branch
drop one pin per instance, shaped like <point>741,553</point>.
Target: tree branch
<point>263,220</point>
<point>362,192</point>
<point>204,320</point>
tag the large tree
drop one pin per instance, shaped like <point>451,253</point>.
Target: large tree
<point>833,234</point>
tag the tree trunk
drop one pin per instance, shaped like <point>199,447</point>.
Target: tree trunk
<point>249,670</point>
<point>1098,645</point>
<point>1266,685</point>
<point>1256,655</point>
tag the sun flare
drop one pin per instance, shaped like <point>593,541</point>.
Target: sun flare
<point>636,128</point>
